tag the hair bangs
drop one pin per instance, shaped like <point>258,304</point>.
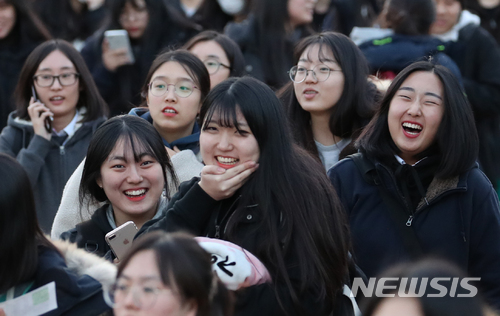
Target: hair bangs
<point>224,108</point>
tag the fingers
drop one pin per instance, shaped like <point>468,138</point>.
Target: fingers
<point>176,149</point>
<point>220,183</point>
<point>170,152</point>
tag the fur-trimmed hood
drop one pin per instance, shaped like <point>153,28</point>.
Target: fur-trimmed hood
<point>82,262</point>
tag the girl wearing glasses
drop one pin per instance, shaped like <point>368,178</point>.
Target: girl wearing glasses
<point>58,110</point>
<point>177,84</point>
<point>329,99</point>
<point>220,54</point>
<point>168,275</point>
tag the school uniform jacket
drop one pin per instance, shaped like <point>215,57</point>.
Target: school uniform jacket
<point>48,164</point>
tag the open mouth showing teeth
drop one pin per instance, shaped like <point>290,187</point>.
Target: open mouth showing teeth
<point>169,111</point>
<point>135,193</point>
<point>310,92</point>
<point>227,161</point>
<point>56,98</point>
<point>412,128</point>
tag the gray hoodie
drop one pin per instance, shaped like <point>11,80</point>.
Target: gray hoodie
<point>48,165</point>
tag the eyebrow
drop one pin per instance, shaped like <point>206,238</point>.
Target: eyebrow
<point>62,68</point>
<point>213,56</point>
<point>328,60</point>
<point>122,158</point>
<point>145,278</point>
<point>178,78</point>
<point>432,94</point>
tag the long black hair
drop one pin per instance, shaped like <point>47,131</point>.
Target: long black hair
<point>356,104</point>
<point>456,140</point>
<point>89,97</point>
<point>19,230</point>
<point>300,213</point>
<point>186,268</point>
<point>272,19</point>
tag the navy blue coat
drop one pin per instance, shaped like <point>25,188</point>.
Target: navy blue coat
<point>76,295</point>
<point>461,223</point>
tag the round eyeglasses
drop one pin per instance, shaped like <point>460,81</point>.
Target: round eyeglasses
<point>67,79</point>
<point>319,72</point>
<point>144,295</point>
<point>213,65</point>
<point>182,89</point>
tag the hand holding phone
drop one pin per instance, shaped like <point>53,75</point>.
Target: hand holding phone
<point>116,49</point>
<point>40,116</point>
<point>120,239</point>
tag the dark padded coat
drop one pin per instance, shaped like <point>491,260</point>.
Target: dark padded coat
<point>460,223</point>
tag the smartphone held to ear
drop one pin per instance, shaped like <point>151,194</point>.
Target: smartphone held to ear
<point>48,120</point>
<point>120,239</point>
<point>118,39</point>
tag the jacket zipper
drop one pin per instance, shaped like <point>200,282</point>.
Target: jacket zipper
<point>413,214</point>
<point>217,226</point>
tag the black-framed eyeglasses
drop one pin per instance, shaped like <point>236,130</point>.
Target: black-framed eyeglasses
<point>182,89</point>
<point>66,79</point>
<point>319,72</point>
<point>213,65</point>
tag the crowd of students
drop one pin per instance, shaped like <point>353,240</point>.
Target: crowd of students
<point>307,160</point>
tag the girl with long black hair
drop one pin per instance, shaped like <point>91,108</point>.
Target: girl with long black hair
<point>268,36</point>
<point>329,100</point>
<point>257,191</point>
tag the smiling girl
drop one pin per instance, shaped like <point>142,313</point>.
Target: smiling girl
<point>126,167</point>
<point>54,83</point>
<point>416,188</point>
<point>176,85</point>
<point>255,191</point>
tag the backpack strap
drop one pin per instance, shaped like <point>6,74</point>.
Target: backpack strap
<point>397,211</point>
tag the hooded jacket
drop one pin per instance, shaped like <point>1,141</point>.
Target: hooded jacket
<point>395,52</point>
<point>191,142</point>
<point>458,219</point>
<point>48,164</point>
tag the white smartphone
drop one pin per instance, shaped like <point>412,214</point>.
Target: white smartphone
<point>119,39</point>
<point>120,239</point>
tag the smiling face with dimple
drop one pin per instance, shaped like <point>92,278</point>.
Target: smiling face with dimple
<point>132,187</point>
<point>226,146</point>
<point>415,113</point>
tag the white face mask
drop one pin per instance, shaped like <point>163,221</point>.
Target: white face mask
<point>231,7</point>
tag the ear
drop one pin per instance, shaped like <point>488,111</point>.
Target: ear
<point>99,182</point>
<point>190,308</point>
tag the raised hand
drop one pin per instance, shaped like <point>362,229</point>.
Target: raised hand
<point>221,184</point>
